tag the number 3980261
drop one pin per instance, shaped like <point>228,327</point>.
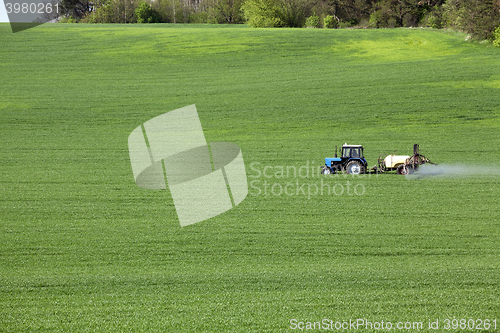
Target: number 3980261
<point>471,324</point>
<point>31,8</point>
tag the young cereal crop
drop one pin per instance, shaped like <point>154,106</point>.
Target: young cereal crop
<point>82,248</point>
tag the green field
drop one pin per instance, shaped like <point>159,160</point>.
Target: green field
<point>82,248</point>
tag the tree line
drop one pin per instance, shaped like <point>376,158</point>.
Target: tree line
<point>480,18</point>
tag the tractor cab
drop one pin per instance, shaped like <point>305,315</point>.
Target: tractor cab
<point>352,151</point>
<point>352,161</point>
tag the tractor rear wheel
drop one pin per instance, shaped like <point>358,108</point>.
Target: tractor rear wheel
<point>355,168</point>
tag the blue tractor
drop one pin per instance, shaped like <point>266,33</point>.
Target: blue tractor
<point>351,161</point>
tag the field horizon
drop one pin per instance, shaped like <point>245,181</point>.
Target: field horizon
<point>83,248</point>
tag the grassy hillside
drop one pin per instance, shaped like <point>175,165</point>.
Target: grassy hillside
<point>82,248</point>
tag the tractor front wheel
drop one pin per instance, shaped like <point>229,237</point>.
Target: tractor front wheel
<point>355,168</point>
<point>325,170</point>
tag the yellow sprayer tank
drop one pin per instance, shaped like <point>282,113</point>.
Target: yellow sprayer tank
<point>393,161</point>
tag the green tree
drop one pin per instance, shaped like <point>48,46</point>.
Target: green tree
<point>397,13</point>
<point>226,11</point>
<point>434,18</point>
<point>263,13</point>
<point>480,18</point>
<point>295,12</point>
<point>277,13</point>
<point>164,10</point>
<point>145,14</point>
<point>352,11</point>
<point>113,11</point>
<point>77,9</point>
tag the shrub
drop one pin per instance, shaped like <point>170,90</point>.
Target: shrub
<point>68,19</point>
<point>276,13</point>
<point>295,12</point>
<point>331,22</point>
<point>199,17</point>
<point>313,22</point>
<point>381,19</point>
<point>434,21</point>
<point>263,13</point>
<point>496,36</point>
